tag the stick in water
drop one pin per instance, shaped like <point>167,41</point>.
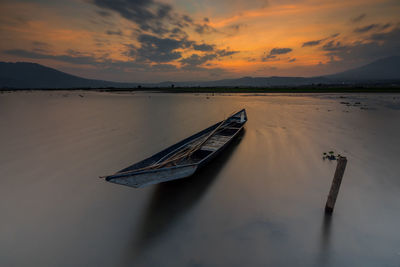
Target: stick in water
<point>337,180</point>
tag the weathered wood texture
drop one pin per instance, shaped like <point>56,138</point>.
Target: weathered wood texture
<point>337,180</point>
<point>182,159</point>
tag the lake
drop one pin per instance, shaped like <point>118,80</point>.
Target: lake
<point>260,203</point>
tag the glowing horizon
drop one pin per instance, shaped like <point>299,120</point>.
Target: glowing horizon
<point>147,41</point>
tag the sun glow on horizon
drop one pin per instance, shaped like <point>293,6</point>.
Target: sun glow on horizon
<point>135,41</point>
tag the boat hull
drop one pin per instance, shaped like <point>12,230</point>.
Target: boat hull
<point>146,178</point>
<point>140,175</point>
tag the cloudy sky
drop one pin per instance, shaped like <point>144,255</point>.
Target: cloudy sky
<point>180,40</point>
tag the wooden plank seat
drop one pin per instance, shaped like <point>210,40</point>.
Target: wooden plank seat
<point>215,142</point>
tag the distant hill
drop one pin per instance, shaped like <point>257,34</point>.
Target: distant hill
<point>31,75</point>
<point>379,70</point>
<point>22,75</point>
<point>255,82</point>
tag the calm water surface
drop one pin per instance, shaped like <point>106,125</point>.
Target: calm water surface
<point>259,204</point>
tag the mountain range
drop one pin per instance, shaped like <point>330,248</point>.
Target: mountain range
<point>24,75</point>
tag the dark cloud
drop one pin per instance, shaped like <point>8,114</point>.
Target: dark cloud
<point>312,43</point>
<point>130,51</point>
<point>152,52</point>
<point>187,19</point>
<point>203,28</point>
<point>101,42</point>
<point>280,51</point>
<point>292,60</point>
<point>366,28</point>
<point>162,50</point>
<point>70,57</point>
<point>196,60</point>
<point>272,55</point>
<point>374,46</point>
<point>117,32</point>
<point>149,15</point>
<point>206,20</point>
<point>386,26</point>
<point>392,36</point>
<point>136,69</point>
<point>152,16</point>
<point>203,47</point>
<point>155,49</point>
<point>320,41</point>
<point>178,33</point>
<point>334,46</point>
<point>372,27</point>
<point>102,21</point>
<point>358,18</point>
<point>269,58</point>
<point>103,13</point>
<point>233,29</point>
<point>176,30</point>
<point>225,53</point>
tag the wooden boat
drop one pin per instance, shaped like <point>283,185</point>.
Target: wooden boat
<point>184,158</point>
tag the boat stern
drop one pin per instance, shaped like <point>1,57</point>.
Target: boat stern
<point>145,178</point>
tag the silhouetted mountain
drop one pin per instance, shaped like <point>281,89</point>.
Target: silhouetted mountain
<point>256,82</point>
<point>379,70</point>
<point>32,75</point>
<point>23,75</point>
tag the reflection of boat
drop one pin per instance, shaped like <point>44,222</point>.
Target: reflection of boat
<point>184,158</point>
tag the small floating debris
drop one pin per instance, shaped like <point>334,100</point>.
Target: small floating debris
<point>356,104</point>
<point>330,155</point>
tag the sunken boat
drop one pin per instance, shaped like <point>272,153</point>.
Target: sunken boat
<point>184,158</point>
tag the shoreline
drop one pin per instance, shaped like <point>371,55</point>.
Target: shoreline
<point>216,90</point>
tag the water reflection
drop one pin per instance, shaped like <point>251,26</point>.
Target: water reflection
<point>173,199</point>
<point>265,209</point>
<point>326,229</point>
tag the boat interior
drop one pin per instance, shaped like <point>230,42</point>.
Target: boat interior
<point>194,149</point>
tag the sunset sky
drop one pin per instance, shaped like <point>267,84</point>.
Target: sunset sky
<point>180,40</point>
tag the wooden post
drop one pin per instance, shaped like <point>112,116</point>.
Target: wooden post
<point>337,180</point>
